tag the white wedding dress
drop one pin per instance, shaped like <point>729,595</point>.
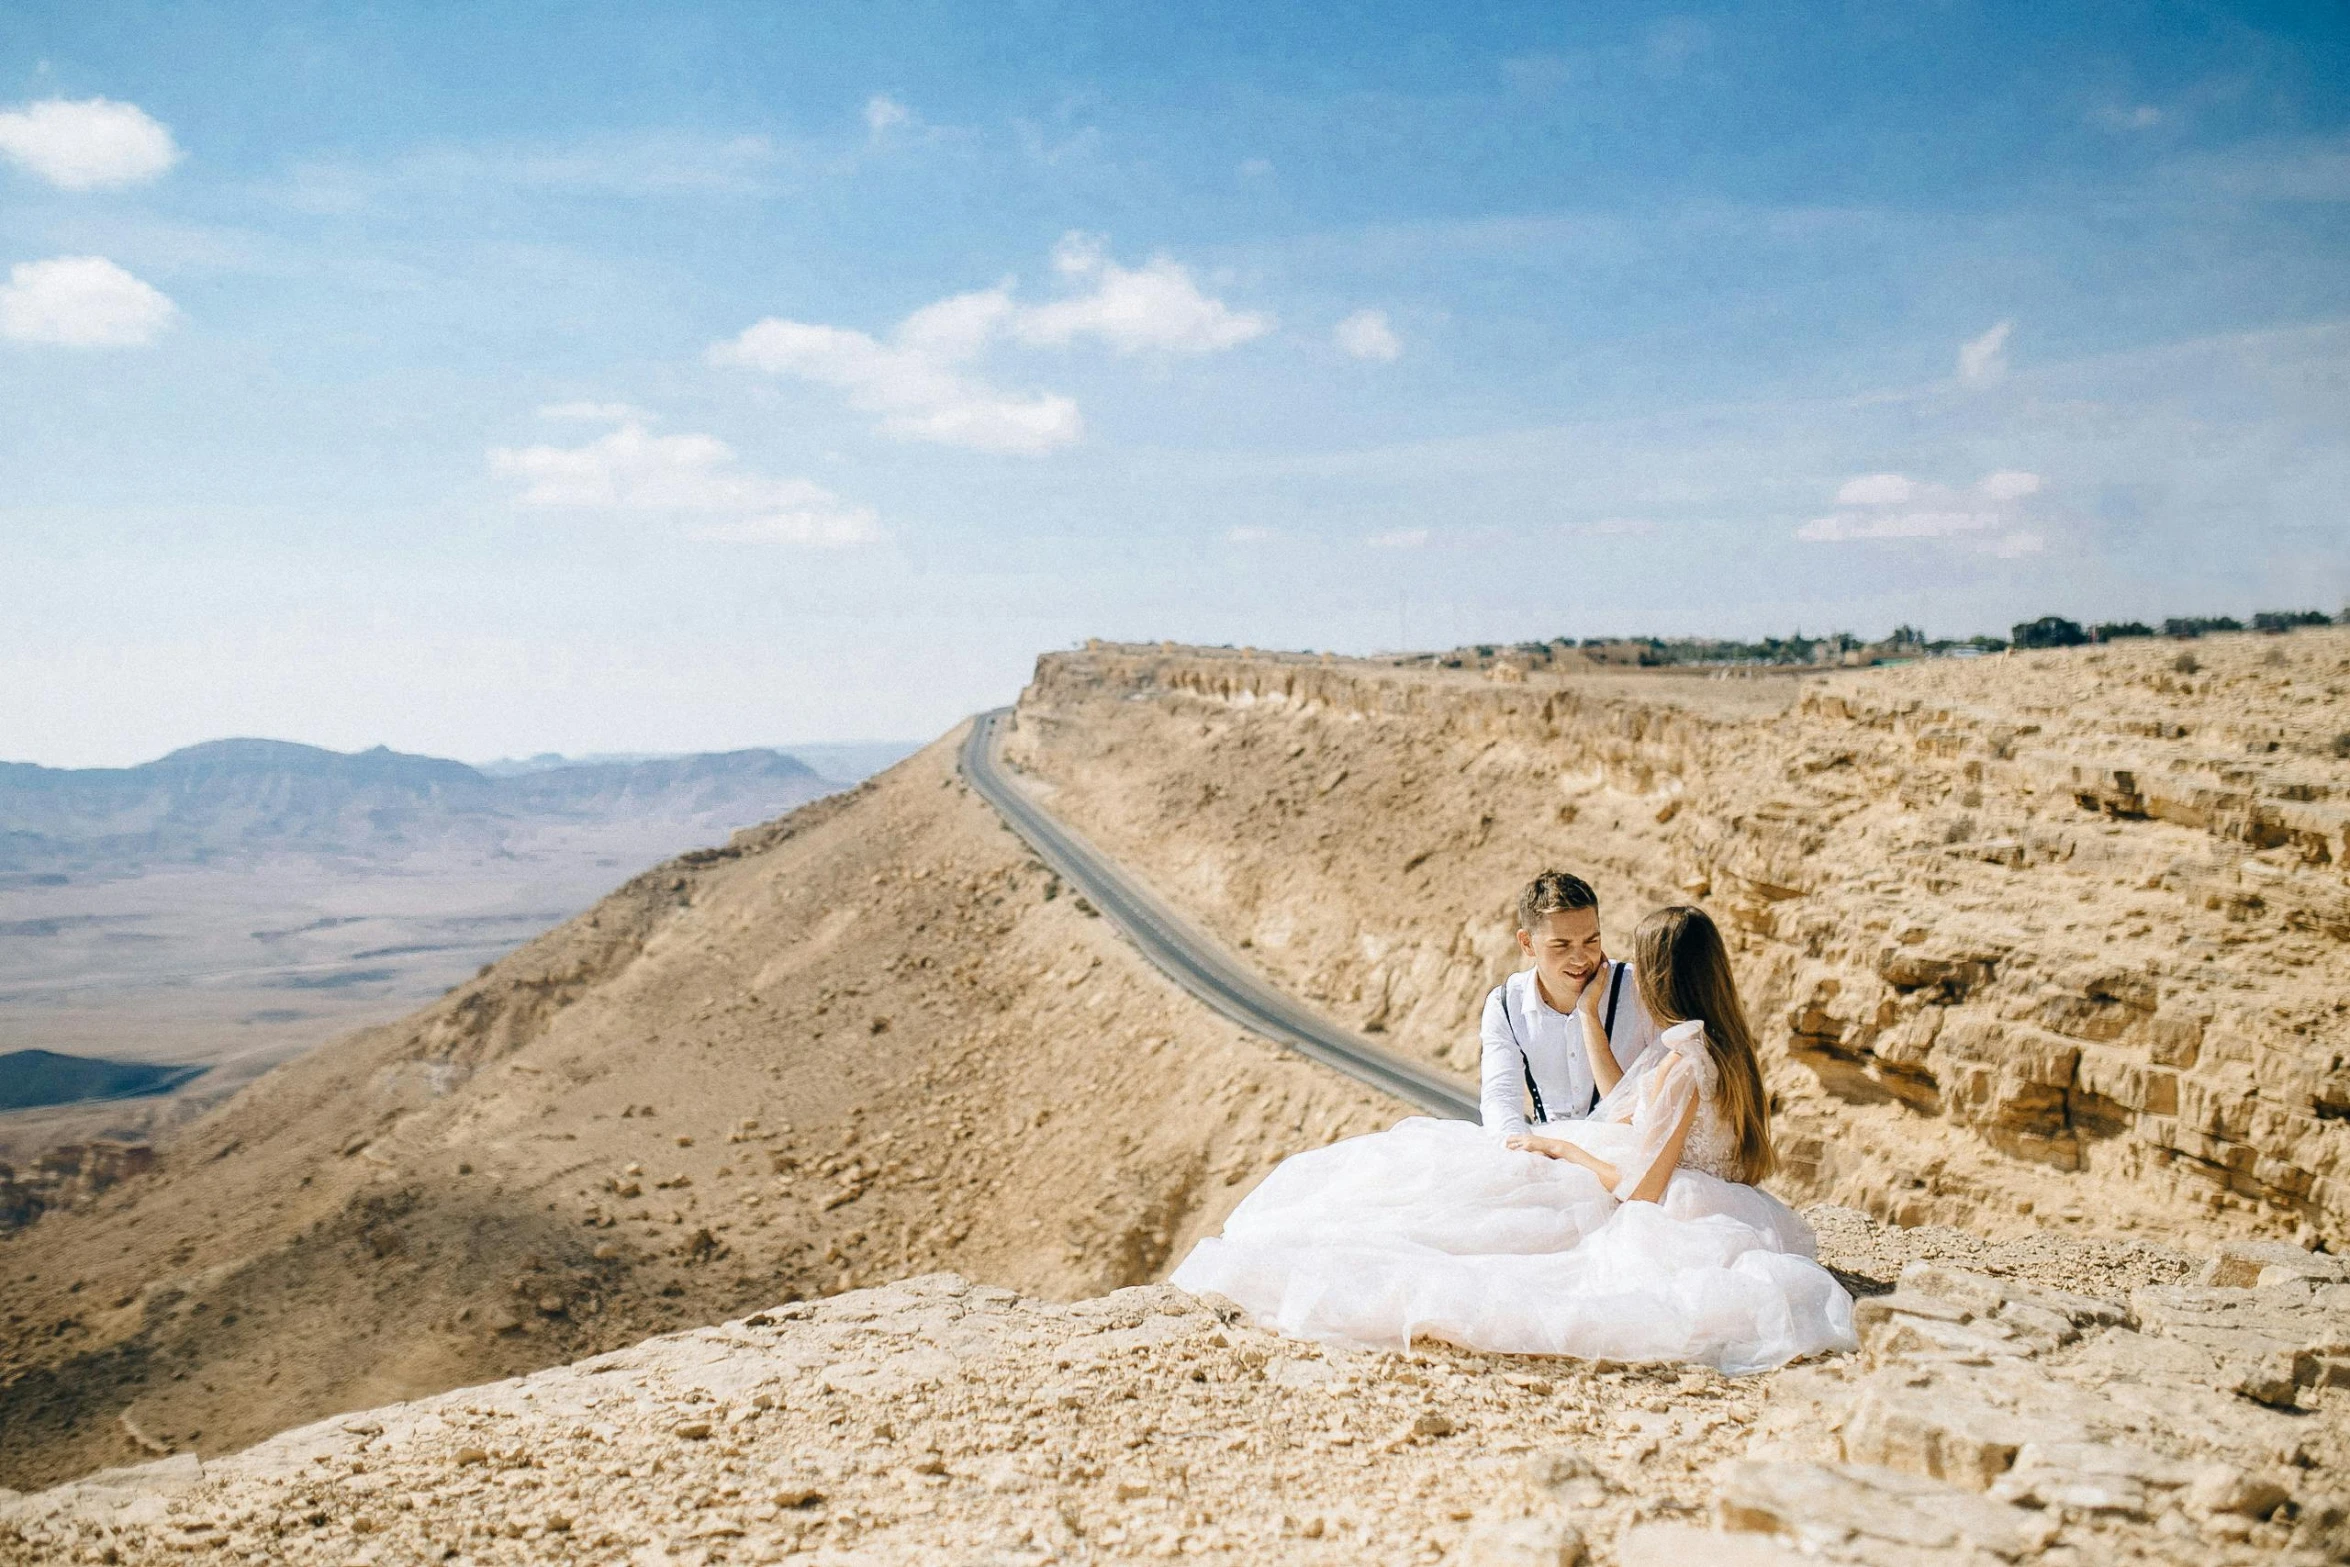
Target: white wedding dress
<point>1437,1230</point>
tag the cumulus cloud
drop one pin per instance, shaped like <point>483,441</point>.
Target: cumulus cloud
<point>1896,506</point>
<point>81,302</point>
<point>882,111</point>
<point>1399,539</point>
<point>916,381</point>
<point>1156,305</point>
<point>88,144</point>
<point>924,382</point>
<point>1366,335</point>
<point>1983,360</point>
<point>597,413</point>
<point>1876,489</point>
<point>630,470</point>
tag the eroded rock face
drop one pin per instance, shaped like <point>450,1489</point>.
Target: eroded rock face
<point>1995,1413</point>
<point>2055,937</point>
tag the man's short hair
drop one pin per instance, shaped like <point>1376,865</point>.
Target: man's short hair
<point>1551,892</point>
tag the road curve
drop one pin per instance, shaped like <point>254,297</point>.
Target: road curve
<point>1187,955</point>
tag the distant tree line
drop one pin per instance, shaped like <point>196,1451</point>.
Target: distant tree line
<point>2056,631</point>
<point>1904,642</point>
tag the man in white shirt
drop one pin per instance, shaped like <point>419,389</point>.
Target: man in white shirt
<point>1558,1036</point>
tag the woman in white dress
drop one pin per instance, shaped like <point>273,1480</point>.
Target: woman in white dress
<point>1637,1234</point>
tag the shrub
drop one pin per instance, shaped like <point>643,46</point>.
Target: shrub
<point>2277,621</point>
<point>2115,630</point>
<point>2195,625</point>
<point>2050,631</point>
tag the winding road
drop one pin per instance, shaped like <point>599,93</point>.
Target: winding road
<point>1188,955</point>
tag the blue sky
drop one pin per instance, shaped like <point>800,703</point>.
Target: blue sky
<point>652,378</point>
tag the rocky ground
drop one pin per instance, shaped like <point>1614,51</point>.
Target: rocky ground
<point>2048,1401</point>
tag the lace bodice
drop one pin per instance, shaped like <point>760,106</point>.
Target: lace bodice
<point>1682,1068</point>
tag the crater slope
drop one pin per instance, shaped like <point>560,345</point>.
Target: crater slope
<point>869,1040</point>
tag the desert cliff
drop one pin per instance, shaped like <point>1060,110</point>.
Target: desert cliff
<point>2045,952</point>
<point>2056,938</point>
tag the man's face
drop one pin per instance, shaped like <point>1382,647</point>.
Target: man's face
<point>1565,948</point>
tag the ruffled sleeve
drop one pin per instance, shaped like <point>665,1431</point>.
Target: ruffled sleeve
<point>1666,1097</point>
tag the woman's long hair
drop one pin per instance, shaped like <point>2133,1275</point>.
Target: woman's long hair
<point>1684,971</point>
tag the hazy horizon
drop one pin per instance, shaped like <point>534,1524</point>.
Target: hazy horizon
<point>589,380</point>
<point>511,760</point>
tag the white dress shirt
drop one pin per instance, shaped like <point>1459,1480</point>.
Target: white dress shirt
<point>1551,1043</point>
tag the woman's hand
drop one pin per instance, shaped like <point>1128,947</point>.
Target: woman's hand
<point>1548,1147</point>
<point>1553,1148</point>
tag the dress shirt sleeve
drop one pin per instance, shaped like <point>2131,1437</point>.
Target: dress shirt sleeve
<point>1501,1100</point>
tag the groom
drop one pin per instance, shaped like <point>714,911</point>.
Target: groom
<point>1559,1035</point>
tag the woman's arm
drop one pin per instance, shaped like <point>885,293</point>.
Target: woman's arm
<point>1651,1187</point>
<point>1668,1108</point>
<point>1605,1070</point>
<point>1553,1148</point>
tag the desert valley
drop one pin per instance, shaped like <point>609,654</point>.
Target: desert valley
<point>811,1195</point>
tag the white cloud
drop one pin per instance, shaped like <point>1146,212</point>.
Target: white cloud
<point>1619,527</point>
<point>823,525</point>
<point>630,470</point>
<point>1399,539</point>
<point>1896,525</point>
<point>86,145</point>
<point>1248,535</point>
<point>923,381</point>
<point>915,383</point>
<point>1983,360</point>
<point>81,302</point>
<point>2130,117</point>
<point>882,111</point>
<point>597,413</point>
<point>1154,306</point>
<point>1256,168</point>
<point>1895,506</point>
<point>1876,489</point>
<point>1366,335</point>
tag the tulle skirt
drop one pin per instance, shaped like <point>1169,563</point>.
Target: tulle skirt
<point>1436,1230</point>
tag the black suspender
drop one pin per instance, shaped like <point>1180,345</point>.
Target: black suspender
<point>1532,1089</point>
<point>1615,993</point>
<point>1607,1025</point>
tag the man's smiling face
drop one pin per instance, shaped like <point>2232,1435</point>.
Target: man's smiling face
<point>1565,947</point>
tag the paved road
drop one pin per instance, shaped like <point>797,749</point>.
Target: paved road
<point>1190,957</point>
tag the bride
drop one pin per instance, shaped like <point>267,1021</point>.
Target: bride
<point>1635,1234</point>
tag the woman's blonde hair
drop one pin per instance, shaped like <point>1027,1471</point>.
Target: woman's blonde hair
<point>1684,970</point>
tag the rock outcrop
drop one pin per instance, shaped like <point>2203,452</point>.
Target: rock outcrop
<point>2061,937</point>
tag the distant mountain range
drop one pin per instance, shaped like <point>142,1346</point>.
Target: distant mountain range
<point>229,800</point>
